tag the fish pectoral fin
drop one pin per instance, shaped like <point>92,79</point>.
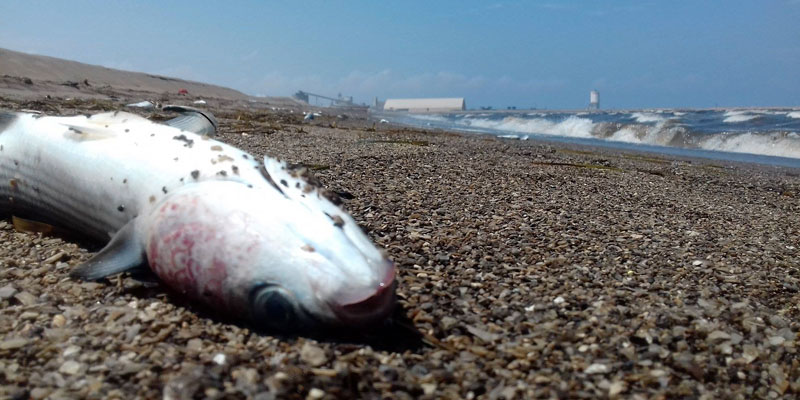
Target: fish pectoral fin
<point>193,120</point>
<point>123,253</point>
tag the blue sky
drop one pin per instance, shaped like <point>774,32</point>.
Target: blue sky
<point>546,54</point>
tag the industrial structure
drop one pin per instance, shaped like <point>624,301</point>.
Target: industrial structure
<point>594,100</point>
<point>341,101</point>
<point>425,105</point>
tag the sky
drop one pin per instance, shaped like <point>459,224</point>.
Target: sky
<point>542,54</point>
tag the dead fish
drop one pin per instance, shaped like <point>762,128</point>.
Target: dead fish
<point>255,240</point>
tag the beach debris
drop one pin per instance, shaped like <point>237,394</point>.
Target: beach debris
<point>199,102</point>
<point>142,104</point>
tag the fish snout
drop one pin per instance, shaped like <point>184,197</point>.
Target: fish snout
<point>369,309</point>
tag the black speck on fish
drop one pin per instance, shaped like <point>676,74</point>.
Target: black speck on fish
<point>125,180</point>
<point>183,138</point>
<point>176,158</point>
<point>235,169</point>
<point>75,130</point>
<point>195,174</point>
<point>164,189</point>
<point>222,173</point>
<point>127,130</point>
<point>16,163</point>
<point>121,208</point>
<point>283,182</point>
<point>245,156</point>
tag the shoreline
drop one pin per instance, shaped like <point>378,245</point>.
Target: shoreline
<point>530,269</point>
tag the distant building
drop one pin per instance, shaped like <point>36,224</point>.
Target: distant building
<point>594,100</point>
<point>425,105</point>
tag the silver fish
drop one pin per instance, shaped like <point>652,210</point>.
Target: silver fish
<point>252,239</point>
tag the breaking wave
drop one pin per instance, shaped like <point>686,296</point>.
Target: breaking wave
<point>571,127</point>
<point>794,114</point>
<point>778,144</point>
<point>645,117</point>
<point>733,117</point>
<point>648,129</point>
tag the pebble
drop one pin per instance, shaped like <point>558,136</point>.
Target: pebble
<point>315,394</point>
<point>596,368</point>
<point>7,291</point>
<point>313,355</point>
<point>10,344</point>
<point>25,298</point>
<point>58,321</point>
<point>70,367</point>
<point>219,359</point>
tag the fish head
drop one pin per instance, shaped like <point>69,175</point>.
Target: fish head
<point>286,263</point>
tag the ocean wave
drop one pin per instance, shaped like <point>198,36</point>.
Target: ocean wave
<point>572,126</point>
<point>645,117</point>
<point>778,144</point>
<point>733,117</point>
<point>645,128</point>
<point>431,117</point>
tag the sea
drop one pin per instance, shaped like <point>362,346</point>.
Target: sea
<point>764,136</point>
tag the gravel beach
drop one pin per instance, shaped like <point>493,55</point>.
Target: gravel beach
<point>526,270</point>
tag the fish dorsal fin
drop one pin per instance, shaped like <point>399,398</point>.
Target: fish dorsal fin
<point>123,253</point>
<point>193,120</point>
<point>102,126</point>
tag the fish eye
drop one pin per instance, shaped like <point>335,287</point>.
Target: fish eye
<point>274,307</point>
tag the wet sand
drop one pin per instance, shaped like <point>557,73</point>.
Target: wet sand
<point>526,270</point>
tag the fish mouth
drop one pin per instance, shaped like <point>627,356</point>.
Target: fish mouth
<point>371,309</point>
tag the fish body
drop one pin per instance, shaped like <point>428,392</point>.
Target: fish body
<point>211,221</point>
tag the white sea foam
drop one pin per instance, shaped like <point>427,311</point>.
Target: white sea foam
<point>645,117</point>
<point>430,117</point>
<point>572,126</point>
<point>662,133</point>
<point>733,117</point>
<point>776,144</point>
<point>652,135</point>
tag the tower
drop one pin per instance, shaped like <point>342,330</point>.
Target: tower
<point>594,100</point>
